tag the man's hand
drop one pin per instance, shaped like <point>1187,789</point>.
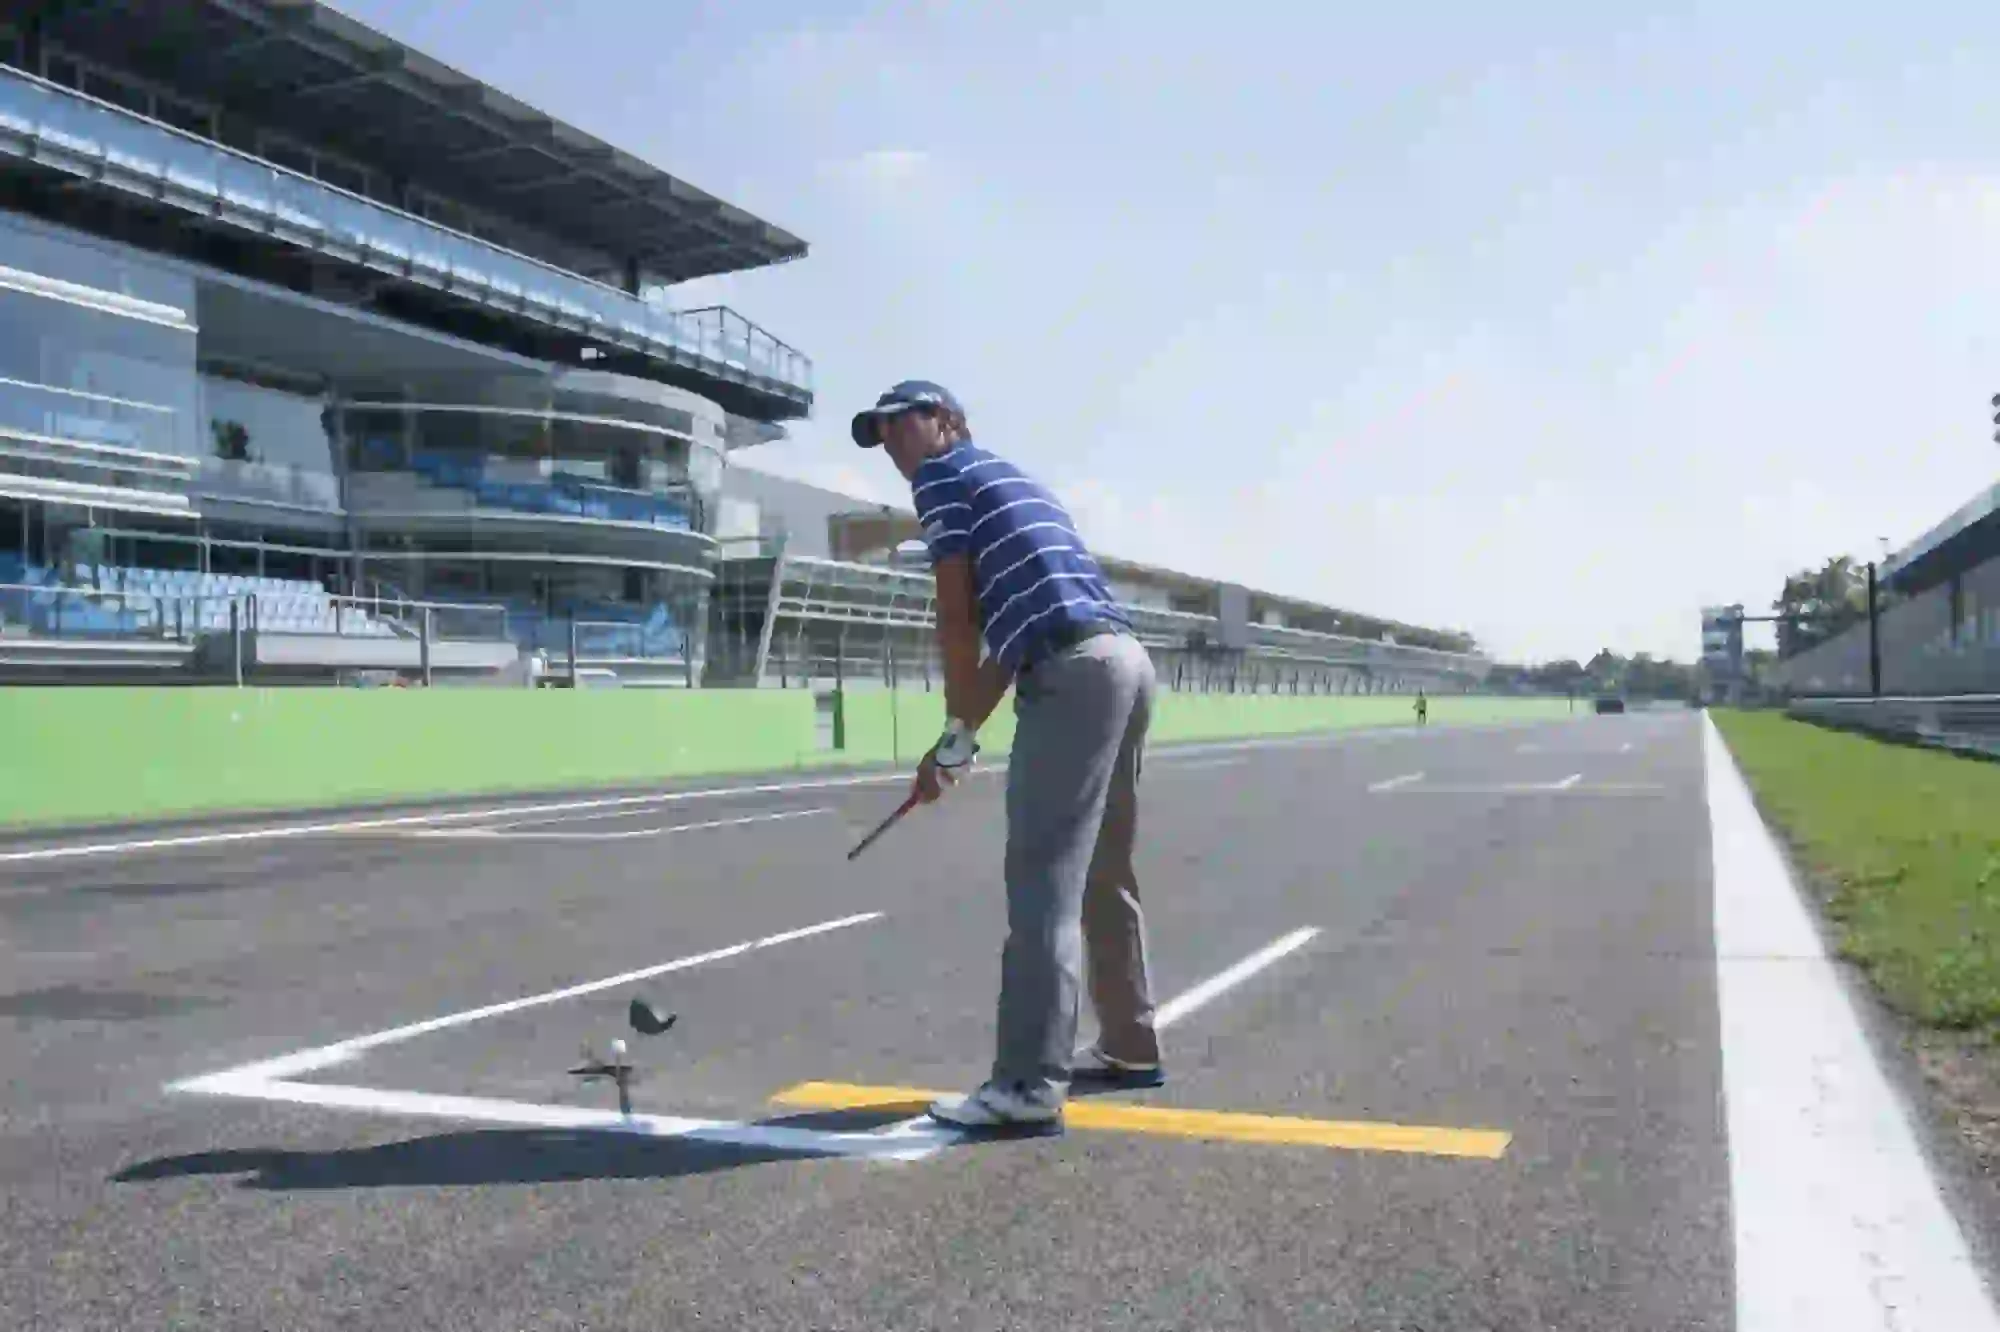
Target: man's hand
<point>946,762</point>
<point>931,780</point>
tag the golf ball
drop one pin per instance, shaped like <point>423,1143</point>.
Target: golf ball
<point>618,1052</point>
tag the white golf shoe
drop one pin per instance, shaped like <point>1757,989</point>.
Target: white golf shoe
<point>1001,1109</point>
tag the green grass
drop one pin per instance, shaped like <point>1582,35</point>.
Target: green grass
<point>1905,846</point>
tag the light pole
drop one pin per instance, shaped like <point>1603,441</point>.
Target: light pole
<point>1874,644</point>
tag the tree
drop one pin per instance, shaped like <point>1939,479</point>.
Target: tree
<point>1820,603</point>
<point>1642,676</point>
<point>232,440</point>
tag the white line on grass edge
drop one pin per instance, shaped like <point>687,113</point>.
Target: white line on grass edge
<point>273,1079</point>
<point>279,831</point>
<point>1839,1225</point>
<point>276,832</point>
<point>536,829</point>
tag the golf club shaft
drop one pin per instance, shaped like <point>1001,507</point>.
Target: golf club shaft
<point>884,826</point>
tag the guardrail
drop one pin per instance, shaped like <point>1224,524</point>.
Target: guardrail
<point>1964,724</point>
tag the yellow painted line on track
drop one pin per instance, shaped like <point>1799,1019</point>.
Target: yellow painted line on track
<point>1162,1121</point>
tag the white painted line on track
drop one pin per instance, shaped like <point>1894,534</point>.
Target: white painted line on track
<point>528,1114</point>
<point>1394,782</point>
<point>1569,781</point>
<point>1839,1224</point>
<point>533,831</point>
<point>273,1080</point>
<point>325,1056</point>
<point>1562,788</point>
<point>923,1127</point>
<point>1157,765</point>
<point>1625,748</point>
<point>1222,982</point>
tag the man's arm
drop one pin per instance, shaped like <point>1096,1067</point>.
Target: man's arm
<point>972,689</point>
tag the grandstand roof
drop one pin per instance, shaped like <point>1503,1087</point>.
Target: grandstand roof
<point>301,67</point>
<point>1968,536</point>
<point>854,526</point>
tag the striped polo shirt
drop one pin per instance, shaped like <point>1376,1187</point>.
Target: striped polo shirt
<point>1032,571</point>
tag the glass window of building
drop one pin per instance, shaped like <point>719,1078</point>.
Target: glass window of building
<point>263,443</point>
<point>30,249</point>
<point>85,375</point>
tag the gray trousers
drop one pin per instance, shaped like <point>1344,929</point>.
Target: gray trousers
<point>1072,817</point>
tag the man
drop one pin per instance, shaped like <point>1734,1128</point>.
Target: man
<point>1014,578</point>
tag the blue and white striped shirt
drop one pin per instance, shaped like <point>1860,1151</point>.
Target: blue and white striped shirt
<point>1033,573</point>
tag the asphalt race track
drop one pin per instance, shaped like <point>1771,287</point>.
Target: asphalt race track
<point>1442,1017</point>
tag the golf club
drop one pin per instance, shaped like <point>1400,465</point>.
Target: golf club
<point>908,804</point>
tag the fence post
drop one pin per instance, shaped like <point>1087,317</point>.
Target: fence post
<point>572,650</point>
<point>236,639</point>
<point>840,689</point>
<point>895,706</point>
<point>687,656</point>
<point>424,647</point>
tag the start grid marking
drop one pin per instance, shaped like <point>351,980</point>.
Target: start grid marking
<point>277,1080</point>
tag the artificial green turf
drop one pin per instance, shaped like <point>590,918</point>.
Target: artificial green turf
<point>1905,844</point>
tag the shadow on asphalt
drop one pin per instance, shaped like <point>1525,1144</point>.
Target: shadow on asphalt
<point>489,1156</point>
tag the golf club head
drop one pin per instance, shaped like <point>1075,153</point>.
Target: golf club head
<point>646,1019</point>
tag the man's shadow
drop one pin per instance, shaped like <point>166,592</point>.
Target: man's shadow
<point>498,1156</point>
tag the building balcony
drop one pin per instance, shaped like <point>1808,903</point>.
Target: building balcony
<point>53,127</point>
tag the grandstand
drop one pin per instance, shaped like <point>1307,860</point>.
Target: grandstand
<point>321,345</point>
<point>319,358</point>
<point>817,586</point>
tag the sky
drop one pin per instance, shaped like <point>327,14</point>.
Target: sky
<point>1544,322</point>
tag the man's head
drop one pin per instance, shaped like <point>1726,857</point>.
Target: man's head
<point>913,421</point>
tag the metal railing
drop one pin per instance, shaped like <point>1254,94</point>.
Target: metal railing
<point>1969,724</point>
<point>54,610</point>
<point>380,607</point>
<point>299,487</point>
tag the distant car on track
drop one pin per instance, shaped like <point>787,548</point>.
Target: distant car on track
<point>1609,703</point>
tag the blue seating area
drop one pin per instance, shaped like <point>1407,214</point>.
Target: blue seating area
<point>34,598</point>
<point>563,493</point>
<point>15,570</point>
<point>112,601</point>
